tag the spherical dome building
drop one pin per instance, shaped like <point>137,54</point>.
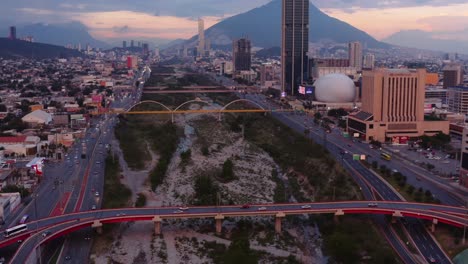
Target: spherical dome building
<point>335,88</point>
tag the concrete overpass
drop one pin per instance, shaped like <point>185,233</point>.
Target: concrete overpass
<point>64,224</point>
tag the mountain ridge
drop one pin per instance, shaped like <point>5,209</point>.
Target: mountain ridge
<point>263,26</point>
<point>425,40</point>
<point>23,49</point>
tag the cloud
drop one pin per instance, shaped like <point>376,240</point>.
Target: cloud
<point>381,23</point>
<point>364,4</point>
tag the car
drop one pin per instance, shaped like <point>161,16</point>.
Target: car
<point>93,207</point>
<point>46,233</point>
<point>24,219</point>
<point>19,241</point>
<point>372,205</point>
<point>263,208</point>
<point>394,171</point>
<point>96,194</point>
<point>98,162</point>
<point>178,211</point>
<point>183,208</point>
<point>245,206</point>
<point>431,259</point>
<point>67,257</point>
<point>307,206</point>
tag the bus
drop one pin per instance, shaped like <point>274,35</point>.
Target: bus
<point>386,156</point>
<point>15,230</point>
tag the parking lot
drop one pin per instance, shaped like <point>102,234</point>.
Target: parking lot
<point>443,164</point>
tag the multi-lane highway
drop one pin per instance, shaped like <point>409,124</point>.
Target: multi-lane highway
<point>337,144</point>
<point>46,229</point>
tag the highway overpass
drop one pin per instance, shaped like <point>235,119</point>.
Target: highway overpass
<point>64,224</point>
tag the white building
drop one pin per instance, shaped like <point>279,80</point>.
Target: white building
<point>37,117</point>
<point>355,55</point>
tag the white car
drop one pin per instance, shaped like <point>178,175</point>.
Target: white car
<point>184,208</point>
<point>263,208</point>
<point>307,206</point>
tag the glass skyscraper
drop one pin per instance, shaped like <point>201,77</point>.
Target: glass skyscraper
<point>295,44</point>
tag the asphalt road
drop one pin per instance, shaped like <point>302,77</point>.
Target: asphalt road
<point>336,144</point>
<point>78,246</point>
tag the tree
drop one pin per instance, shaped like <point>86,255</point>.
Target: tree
<point>205,190</point>
<point>228,170</point>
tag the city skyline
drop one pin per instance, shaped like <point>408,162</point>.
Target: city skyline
<point>107,20</point>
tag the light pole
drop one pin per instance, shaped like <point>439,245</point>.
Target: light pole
<point>464,226</point>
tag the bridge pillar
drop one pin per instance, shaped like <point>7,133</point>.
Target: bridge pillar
<point>157,225</point>
<point>98,226</point>
<point>434,223</point>
<point>338,213</point>
<point>279,216</point>
<point>395,215</point>
<point>219,223</point>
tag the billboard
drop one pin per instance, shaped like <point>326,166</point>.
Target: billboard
<point>400,140</point>
<point>302,90</point>
<point>306,90</point>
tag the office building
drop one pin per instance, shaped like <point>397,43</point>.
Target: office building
<point>369,62</point>
<point>156,52</point>
<point>132,43</point>
<point>393,107</point>
<point>355,55</point>
<point>124,44</point>
<point>453,75</point>
<point>12,34</point>
<point>145,48</point>
<point>241,54</point>
<point>295,44</point>
<point>464,158</point>
<point>132,62</point>
<point>328,62</point>
<point>266,74</point>
<point>457,99</point>
<point>201,38</point>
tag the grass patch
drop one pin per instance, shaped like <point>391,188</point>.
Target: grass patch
<point>164,140</point>
<point>141,200</point>
<point>116,195</point>
<point>353,239</point>
<point>451,239</point>
<point>129,132</point>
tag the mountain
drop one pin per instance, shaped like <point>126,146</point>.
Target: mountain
<point>263,26</point>
<point>269,52</point>
<point>23,49</point>
<point>60,34</point>
<point>426,40</point>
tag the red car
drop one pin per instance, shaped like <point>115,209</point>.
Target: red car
<point>245,206</point>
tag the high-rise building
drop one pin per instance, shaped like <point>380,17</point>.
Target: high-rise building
<point>132,62</point>
<point>393,107</point>
<point>201,38</point>
<point>355,55</point>
<point>453,75</point>
<point>145,48</point>
<point>295,44</point>
<point>266,73</point>
<point>132,43</point>
<point>457,99</point>
<point>12,32</point>
<point>156,52</point>
<point>369,61</point>
<point>124,44</point>
<point>241,57</point>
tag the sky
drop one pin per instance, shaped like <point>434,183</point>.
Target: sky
<point>172,19</point>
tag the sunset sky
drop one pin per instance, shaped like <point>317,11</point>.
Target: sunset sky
<point>171,19</point>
